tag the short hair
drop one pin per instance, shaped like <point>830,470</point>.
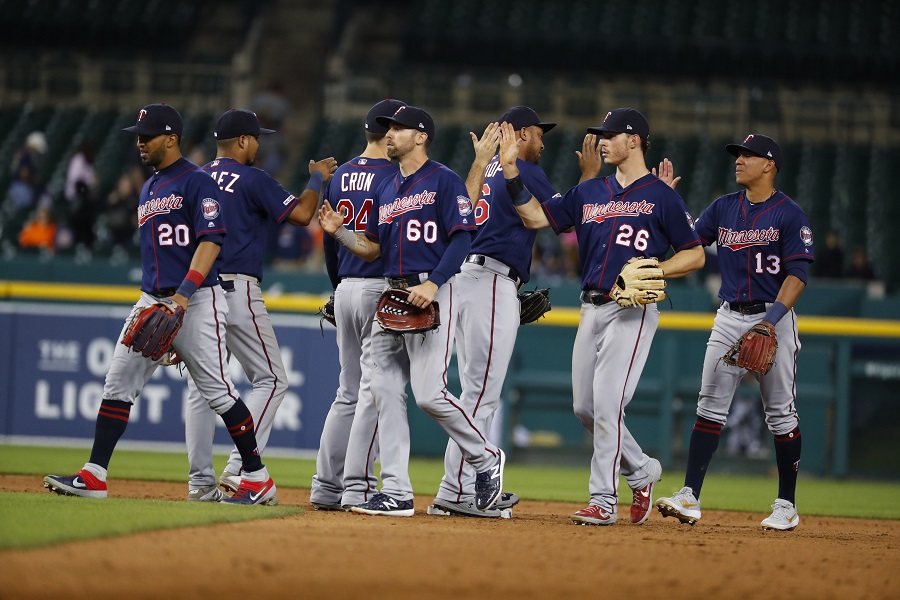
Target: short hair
<point>374,137</point>
<point>645,145</point>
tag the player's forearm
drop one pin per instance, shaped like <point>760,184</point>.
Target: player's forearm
<point>790,291</point>
<point>358,244</point>
<point>475,180</point>
<point>305,209</point>
<point>204,257</point>
<point>684,263</point>
<point>526,204</point>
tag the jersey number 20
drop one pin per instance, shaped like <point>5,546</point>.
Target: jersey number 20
<point>168,235</point>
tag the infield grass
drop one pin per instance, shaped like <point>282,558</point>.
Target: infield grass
<point>822,497</point>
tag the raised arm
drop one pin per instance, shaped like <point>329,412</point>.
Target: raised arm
<point>333,224</point>
<point>589,159</point>
<point>527,206</point>
<point>319,172</point>
<point>485,148</point>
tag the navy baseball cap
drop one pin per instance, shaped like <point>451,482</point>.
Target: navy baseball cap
<point>760,145</point>
<point>237,122</point>
<point>623,120</point>
<point>385,108</point>
<point>524,116</point>
<point>410,117</point>
<point>157,119</point>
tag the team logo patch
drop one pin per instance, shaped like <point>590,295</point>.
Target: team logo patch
<point>806,235</point>
<point>465,206</point>
<point>210,208</point>
<point>362,161</point>
<point>690,219</point>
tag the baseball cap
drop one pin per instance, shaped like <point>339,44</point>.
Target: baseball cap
<point>524,116</point>
<point>385,108</point>
<point>623,120</point>
<point>760,145</point>
<point>237,122</point>
<point>157,119</point>
<point>410,117</point>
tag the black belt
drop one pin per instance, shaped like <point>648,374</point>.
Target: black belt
<point>595,297</point>
<point>228,286</point>
<point>405,282</point>
<point>746,308</point>
<point>492,264</point>
<point>164,293</point>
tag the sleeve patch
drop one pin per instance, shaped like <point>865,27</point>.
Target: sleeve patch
<point>465,205</point>
<point>210,208</point>
<point>806,236</point>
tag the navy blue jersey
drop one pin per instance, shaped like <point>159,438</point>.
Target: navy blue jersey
<point>614,224</point>
<point>416,217</point>
<point>501,233</point>
<point>252,198</point>
<point>351,192</point>
<point>754,243</point>
<point>179,208</point>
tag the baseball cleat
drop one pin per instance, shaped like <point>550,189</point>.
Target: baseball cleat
<point>595,515</point>
<point>83,484</point>
<point>784,516</point>
<point>382,504</point>
<point>683,505</point>
<point>209,493</point>
<point>466,508</point>
<point>333,506</point>
<point>489,484</point>
<point>230,481</point>
<point>507,500</point>
<point>642,498</point>
<point>254,492</point>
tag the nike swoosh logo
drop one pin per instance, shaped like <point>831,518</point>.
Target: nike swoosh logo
<point>687,504</point>
<point>645,494</point>
<point>77,482</point>
<point>255,497</point>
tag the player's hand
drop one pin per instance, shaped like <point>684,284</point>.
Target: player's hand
<point>589,159</point>
<point>326,166</point>
<point>667,173</point>
<point>329,220</point>
<point>509,150</point>
<point>486,147</point>
<point>423,294</point>
<point>179,300</point>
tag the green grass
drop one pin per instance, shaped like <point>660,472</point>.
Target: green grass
<point>42,518</point>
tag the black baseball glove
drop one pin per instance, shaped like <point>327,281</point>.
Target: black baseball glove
<point>533,305</point>
<point>327,311</point>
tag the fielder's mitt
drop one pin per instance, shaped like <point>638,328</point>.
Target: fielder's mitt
<point>327,311</point>
<point>533,305</point>
<point>755,350</point>
<point>640,282</point>
<point>396,314</point>
<point>152,330</point>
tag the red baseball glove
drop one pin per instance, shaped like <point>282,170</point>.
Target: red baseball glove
<point>153,330</point>
<point>755,350</point>
<point>395,313</point>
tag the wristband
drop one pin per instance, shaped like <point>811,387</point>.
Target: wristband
<point>774,314</point>
<point>315,182</point>
<point>191,282</point>
<point>517,191</point>
<point>345,237</point>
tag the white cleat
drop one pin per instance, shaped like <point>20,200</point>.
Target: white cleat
<point>683,505</point>
<point>784,516</point>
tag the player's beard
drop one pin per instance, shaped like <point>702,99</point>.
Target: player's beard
<point>155,157</point>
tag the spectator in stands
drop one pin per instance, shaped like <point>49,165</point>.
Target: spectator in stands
<point>830,261</point>
<point>860,267</point>
<point>26,180</point>
<point>293,246</point>
<point>80,193</point>
<point>40,231</point>
<point>121,213</point>
<point>272,109</point>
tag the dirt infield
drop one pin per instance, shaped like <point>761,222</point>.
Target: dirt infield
<point>536,554</point>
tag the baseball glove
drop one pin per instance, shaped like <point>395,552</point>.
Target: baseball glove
<point>533,305</point>
<point>327,311</point>
<point>153,330</point>
<point>755,350</point>
<point>640,282</point>
<point>396,314</point>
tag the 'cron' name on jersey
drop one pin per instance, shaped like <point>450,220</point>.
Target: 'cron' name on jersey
<point>356,182</point>
<point>403,205</point>
<point>158,206</point>
<point>600,212</point>
<point>738,240</point>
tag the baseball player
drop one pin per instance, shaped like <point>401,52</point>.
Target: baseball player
<point>252,199</point>
<point>344,474</point>
<point>765,246</point>
<point>498,265</point>
<point>181,229</point>
<point>423,232</point>
<point>616,218</point>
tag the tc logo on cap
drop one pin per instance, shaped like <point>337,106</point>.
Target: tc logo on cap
<point>399,110</point>
<point>142,114</point>
<point>748,138</point>
<point>607,116</point>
